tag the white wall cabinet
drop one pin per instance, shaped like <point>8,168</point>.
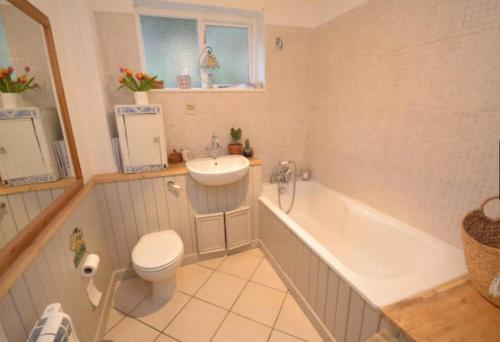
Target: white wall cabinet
<point>238,228</point>
<point>210,233</point>
<point>142,138</point>
<point>27,136</point>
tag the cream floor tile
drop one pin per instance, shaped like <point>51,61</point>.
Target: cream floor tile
<point>212,263</point>
<point>266,275</point>
<point>241,265</point>
<point>259,303</point>
<point>131,330</point>
<point>293,321</point>
<point>255,252</point>
<point>237,328</point>
<point>164,338</point>
<point>129,293</point>
<point>159,315</point>
<point>191,277</point>
<point>278,336</point>
<point>197,322</point>
<point>114,317</point>
<point>221,289</point>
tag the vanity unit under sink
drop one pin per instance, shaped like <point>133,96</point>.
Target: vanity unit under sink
<point>142,137</point>
<point>27,136</point>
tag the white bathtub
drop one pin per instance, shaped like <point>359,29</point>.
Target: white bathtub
<point>383,259</point>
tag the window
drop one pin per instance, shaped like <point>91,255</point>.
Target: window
<point>171,48</point>
<point>230,44</point>
<point>171,42</point>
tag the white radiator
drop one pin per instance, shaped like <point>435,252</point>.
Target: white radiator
<point>54,325</point>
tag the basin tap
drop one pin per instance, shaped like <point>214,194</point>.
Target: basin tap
<point>214,149</point>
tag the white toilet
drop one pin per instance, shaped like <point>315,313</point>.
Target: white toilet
<point>156,258</point>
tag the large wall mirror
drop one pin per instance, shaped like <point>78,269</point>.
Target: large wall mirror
<point>39,169</point>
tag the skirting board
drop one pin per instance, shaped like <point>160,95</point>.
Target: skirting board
<point>315,320</point>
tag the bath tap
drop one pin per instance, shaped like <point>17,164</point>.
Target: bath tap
<point>281,174</point>
<point>214,149</point>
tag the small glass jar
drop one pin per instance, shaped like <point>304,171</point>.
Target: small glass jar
<point>306,173</point>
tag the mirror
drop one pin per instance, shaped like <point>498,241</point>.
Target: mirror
<point>38,163</point>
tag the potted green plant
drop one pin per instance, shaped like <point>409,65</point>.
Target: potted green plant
<point>247,150</point>
<point>140,84</point>
<point>235,146</point>
<point>12,88</point>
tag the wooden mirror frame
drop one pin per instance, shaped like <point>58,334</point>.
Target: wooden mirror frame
<point>19,246</point>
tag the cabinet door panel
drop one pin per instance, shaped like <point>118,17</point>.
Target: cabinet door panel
<point>238,227</point>
<point>210,233</point>
<point>143,139</point>
<point>20,154</point>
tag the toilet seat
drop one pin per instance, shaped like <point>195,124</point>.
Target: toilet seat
<point>157,251</point>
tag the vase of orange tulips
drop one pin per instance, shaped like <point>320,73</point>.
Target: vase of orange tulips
<point>11,88</point>
<point>140,84</point>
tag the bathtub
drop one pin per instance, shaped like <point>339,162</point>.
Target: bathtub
<point>381,259</point>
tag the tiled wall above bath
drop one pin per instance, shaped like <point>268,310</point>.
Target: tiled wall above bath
<point>407,108</point>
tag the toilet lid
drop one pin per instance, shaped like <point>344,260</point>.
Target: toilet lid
<point>157,250</point>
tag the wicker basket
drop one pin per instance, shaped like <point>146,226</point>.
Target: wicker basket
<point>481,237</point>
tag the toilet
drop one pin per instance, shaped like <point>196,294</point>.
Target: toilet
<point>156,258</point>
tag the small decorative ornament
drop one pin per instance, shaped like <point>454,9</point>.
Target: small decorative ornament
<point>184,82</point>
<point>207,62</point>
<point>306,173</point>
<point>77,245</point>
<point>174,157</point>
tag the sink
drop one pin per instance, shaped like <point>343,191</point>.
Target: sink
<point>220,171</point>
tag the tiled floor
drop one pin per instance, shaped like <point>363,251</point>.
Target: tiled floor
<point>235,298</point>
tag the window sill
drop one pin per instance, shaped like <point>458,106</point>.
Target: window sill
<point>207,90</point>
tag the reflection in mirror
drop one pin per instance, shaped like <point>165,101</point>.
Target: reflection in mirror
<point>35,167</point>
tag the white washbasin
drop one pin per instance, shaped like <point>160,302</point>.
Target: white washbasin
<point>220,171</point>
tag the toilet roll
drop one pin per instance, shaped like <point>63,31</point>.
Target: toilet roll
<point>89,266</point>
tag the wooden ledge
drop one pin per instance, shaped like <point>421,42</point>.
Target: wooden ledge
<point>172,170</point>
<point>63,183</point>
<point>454,311</point>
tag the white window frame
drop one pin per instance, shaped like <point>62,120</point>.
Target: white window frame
<point>203,20</point>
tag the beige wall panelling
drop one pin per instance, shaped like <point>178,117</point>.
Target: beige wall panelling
<point>52,277</point>
<point>335,307</point>
<point>210,233</point>
<point>20,209</point>
<point>238,227</point>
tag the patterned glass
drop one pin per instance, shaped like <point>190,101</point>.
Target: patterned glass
<point>230,45</point>
<point>171,48</point>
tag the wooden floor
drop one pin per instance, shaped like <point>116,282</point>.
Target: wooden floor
<point>454,311</point>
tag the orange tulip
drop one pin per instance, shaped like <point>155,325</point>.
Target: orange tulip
<point>128,72</point>
<point>121,80</point>
<point>22,79</point>
<point>139,76</point>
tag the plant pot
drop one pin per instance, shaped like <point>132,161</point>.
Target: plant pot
<point>11,100</point>
<point>234,148</point>
<point>141,97</point>
<point>248,153</point>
